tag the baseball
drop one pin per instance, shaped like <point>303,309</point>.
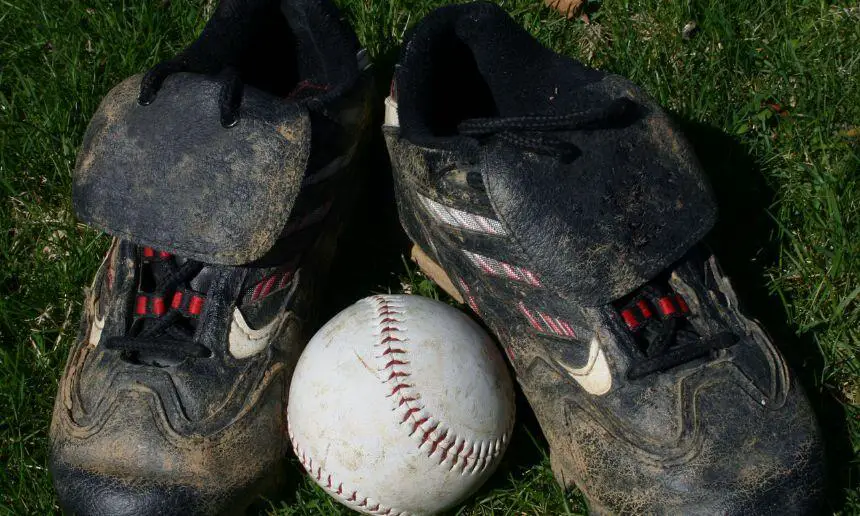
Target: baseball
<point>400,405</point>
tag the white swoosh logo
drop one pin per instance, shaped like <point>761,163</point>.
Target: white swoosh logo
<point>245,341</point>
<point>595,377</point>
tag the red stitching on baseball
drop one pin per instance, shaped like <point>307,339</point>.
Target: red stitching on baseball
<point>398,387</point>
<point>409,414</point>
<point>387,336</point>
<point>391,333</point>
<point>396,374</point>
<point>438,440</point>
<point>444,454</point>
<point>308,465</point>
<point>394,362</point>
<point>471,450</point>
<point>418,424</point>
<point>427,434</point>
<point>457,454</point>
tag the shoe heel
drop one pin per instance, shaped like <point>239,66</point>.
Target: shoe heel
<point>434,271</point>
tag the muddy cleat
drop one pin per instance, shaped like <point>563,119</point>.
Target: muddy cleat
<point>173,398</point>
<point>560,204</point>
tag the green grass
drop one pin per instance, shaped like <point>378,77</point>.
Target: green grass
<point>767,91</point>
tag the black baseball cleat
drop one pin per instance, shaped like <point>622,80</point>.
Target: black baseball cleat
<point>173,398</point>
<point>560,203</point>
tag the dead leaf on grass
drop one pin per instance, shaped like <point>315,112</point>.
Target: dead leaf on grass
<point>569,8</point>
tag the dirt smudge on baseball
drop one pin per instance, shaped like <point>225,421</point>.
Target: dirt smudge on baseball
<point>364,363</point>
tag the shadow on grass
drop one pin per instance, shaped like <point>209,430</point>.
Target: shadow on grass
<point>373,244</point>
<point>742,242</point>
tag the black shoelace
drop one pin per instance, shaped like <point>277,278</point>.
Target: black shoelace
<point>529,131</point>
<point>168,337</point>
<point>665,336</point>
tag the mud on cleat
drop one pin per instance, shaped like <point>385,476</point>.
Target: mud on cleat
<point>561,204</point>
<point>173,397</point>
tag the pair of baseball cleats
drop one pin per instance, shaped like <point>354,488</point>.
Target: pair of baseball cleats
<point>557,201</point>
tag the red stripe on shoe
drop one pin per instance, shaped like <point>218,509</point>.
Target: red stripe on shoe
<point>196,305</point>
<point>257,290</point>
<point>643,307</point>
<point>550,322</point>
<point>484,265</point>
<point>140,305</point>
<point>268,287</point>
<point>566,328</point>
<point>470,299</point>
<point>532,279</point>
<point>484,224</point>
<point>511,273</point>
<point>666,305</point>
<point>158,306</point>
<point>682,303</point>
<point>534,322</point>
<point>499,268</point>
<point>629,319</point>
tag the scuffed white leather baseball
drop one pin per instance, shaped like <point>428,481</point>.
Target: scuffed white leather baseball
<point>400,405</point>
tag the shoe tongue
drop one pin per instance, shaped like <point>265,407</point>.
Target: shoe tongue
<point>658,333</point>
<point>169,176</point>
<point>156,274</point>
<point>203,280</point>
<point>161,271</point>
<point>200,282</point>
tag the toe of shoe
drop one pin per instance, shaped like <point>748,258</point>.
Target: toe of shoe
<point>742,459</point>
<point>83,492</point>
<point>129,464</point>
<point>773,463</point>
